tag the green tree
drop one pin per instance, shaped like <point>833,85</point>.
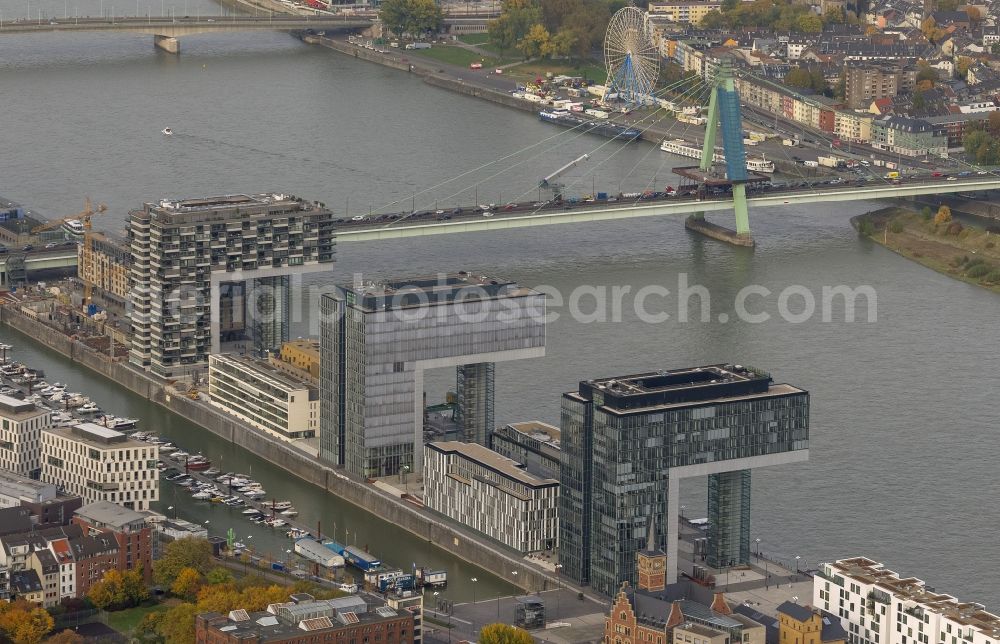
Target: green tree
<point>835,15</point>
<point>218,575</point>
<point>993,123</point>
<point>962,66</point>
<point>810,24</point>
<point>561,44</point>
<point>513,23</point>
<point>179,554</point>
<point>503,634</point>
<point>799,77</point>
<point>927,73</point>
<point>713,20</point>
<point>536,43</point>
<point>413,17</point>
<point>840,90</point>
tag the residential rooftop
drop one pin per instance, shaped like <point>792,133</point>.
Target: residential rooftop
<point>266,373</point>
<point>422,291</point>
<point>15,409</point>
<point>105,514</point>
<point>542,432</point>
<point>678,388</point>
<point>871,572</point>
<point>97,435</point>
<point>302,615</point>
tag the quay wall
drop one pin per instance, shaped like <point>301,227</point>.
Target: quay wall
<point>421,523</point>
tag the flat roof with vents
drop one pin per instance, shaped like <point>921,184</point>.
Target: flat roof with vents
<point>15,409</point>
<point>290,621</point>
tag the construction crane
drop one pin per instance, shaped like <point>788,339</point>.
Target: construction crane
<point>83,217</point>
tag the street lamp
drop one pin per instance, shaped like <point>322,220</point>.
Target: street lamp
<point>474,580</point>
<point>558,589</point>
<point>758,548</point>
<point>797,563</point>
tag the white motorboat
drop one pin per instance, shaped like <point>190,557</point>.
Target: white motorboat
<point>290,512</point>
<point>167,131</point>
<point>88,408</point>
<point>281,505</point>
<point>275,522</point>
<point>202,495</point>
<point>250,511</point>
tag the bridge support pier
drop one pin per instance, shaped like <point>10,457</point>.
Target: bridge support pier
<point>168,44</point>
<point>700,225</point>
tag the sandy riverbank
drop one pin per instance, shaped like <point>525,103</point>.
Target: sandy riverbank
<point>965,252</point>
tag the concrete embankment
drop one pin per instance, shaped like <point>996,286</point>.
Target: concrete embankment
<point>430,74</point>
<point>444,81</point>
<point>422,523</point>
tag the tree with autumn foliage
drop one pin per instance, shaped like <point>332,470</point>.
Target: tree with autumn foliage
<point>943,215</point>
<point>504,634</point>
<point>187,583</point>
<point>66,637</point>
<point>180,554</point>
<point>118,590</point>
<point>25,623</point>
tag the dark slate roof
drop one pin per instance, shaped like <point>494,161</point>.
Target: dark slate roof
<point>25,581</point>
<point>945,17</point>
<point>38,539</point>
<point>832,629</point>
<point>15,519</point>
<point>92,546</point>
<point>796,611</point>
<point>48,561</point>
<point>772,632</point>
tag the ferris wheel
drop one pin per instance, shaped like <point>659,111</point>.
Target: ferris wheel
<point>632,59</point>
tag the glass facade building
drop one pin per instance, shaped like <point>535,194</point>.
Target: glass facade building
<point>628,442</point>
<point>375,342</point>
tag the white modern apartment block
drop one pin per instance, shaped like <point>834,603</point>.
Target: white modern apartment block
<point>218,269</point>
<point>100,464</point>
<point>492,494</point>
<point>263,396</point>
<point>21,425</point>
<point>877,606</point>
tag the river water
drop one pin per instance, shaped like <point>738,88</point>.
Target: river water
<point>904,416</point>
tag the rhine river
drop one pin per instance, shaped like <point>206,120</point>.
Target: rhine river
<point>904,416</point>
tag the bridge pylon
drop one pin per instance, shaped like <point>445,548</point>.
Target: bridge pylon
<point>724,114</point>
